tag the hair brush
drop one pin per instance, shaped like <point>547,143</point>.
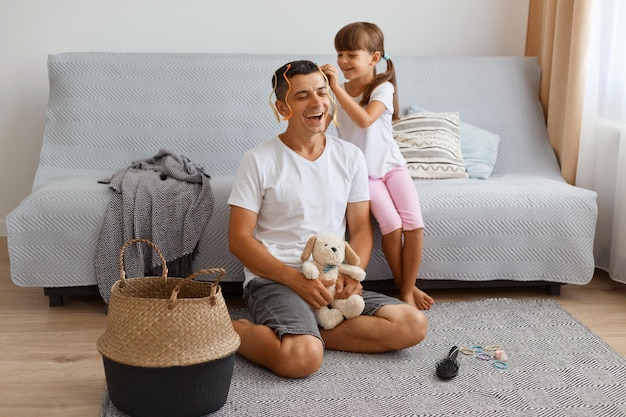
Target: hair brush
<point>449,367</point>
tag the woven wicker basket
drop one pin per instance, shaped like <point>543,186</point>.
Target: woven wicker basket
<point>161,331</point>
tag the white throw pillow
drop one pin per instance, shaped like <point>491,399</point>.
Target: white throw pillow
<point>430,144</point>
<point>479,147</point>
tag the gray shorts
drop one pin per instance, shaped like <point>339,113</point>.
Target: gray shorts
<point>282,310</point>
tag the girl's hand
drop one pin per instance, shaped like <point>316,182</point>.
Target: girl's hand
<point>331,74</point>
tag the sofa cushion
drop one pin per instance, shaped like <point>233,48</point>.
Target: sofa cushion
<point>430,144</point>
<point>479,147</point>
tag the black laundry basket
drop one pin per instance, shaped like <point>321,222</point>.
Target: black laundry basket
<point>169,344</point>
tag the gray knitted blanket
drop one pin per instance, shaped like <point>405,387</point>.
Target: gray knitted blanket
<point>165,199</point>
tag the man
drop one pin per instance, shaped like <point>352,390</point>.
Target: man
<point>298,184</point>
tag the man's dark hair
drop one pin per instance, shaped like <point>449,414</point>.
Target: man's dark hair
<point>289,70</point>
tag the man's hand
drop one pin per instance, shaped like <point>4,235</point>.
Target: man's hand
<point>313,291</point>
<point>346,286</point>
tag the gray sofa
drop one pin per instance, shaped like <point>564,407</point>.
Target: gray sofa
<point>523,225</point>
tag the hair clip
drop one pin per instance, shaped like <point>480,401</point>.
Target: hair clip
<point>500,355</point>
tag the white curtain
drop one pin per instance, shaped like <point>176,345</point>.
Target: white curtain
<point>602,153</point>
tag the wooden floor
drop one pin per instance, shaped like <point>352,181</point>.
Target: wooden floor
<point>49,365</point>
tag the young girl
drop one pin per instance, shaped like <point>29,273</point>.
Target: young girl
<point>368,103</point>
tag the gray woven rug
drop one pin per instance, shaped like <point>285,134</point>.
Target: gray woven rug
<point>556,367</point>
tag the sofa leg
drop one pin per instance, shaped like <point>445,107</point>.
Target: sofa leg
<point>56,294</point>
<point>553,288</point>
<point>54,300</point>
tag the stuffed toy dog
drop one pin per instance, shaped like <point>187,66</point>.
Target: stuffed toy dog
<point>329,253</point>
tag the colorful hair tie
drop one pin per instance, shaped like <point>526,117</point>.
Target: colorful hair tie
<point>477,348</point>
<point>274,109</point>
<point>466,351</point>
<point>332,99</point>
<point>386,57</point>
<point>492,348</point>
<point>287,94</point>
<point>271,100</point>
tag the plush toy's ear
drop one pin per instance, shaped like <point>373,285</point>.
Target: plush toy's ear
<point>308,249</point>
<point>351,257</point>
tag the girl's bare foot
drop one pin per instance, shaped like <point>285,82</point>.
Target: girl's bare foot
<point>422,300</point>
<point>418,299</point>
<point>409,299</point>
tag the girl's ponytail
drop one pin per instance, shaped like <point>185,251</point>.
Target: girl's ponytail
<point>388,75</point>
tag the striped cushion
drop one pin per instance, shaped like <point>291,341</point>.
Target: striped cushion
<point>430,144</point>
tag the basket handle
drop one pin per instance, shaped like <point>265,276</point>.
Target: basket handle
<point>212,295</point>
<point>149,243</point>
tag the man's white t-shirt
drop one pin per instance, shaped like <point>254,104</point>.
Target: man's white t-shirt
<point>295,198</point>
<point>382,153</point>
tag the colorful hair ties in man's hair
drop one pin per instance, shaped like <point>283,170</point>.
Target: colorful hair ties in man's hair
<point>272,105</point>
<point>271,99</point>
<point>287,93</point>
<point>332,99</point>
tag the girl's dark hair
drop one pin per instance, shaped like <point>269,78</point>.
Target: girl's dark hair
<point>368,37</point>
<point>289,70</point>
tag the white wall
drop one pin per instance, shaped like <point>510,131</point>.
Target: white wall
<point>32,29</point>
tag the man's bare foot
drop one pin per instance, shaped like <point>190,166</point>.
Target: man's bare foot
<point>240,323</point>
